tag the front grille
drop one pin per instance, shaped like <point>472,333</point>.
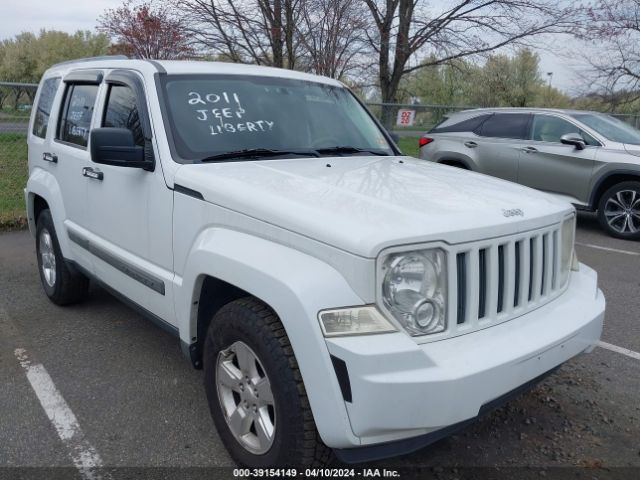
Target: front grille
<point>499,279</point>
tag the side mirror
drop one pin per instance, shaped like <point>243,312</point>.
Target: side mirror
<point>116,146</point>
<point>574,139</point>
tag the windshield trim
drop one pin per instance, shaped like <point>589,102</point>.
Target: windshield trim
<point>161,78</point>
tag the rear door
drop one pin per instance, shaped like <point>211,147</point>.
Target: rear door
<point>499,144</point>
<point>67,155</point>
<point>547,164</point>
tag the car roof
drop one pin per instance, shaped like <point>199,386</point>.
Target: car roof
<point>186,67</point>
<point>564,111</point>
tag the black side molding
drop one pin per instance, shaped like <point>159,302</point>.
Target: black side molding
<point>342,373</point>
<point>147,279</point>
<point>187,191</point>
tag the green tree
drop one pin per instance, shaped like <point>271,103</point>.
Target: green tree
<point>25,57</point>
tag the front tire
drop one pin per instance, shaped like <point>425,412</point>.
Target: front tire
<point>61,282</point>
<point>619,210</point>
<point>255,391</point>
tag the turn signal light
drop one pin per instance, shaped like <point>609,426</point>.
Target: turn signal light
<point>424,141</point>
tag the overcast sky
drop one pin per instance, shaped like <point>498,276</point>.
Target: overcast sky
<point>71,15</point>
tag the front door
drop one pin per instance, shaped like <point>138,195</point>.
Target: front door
<point>130,209</point>
<point>549,165</point>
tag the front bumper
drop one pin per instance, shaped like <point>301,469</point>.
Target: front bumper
<point>402,390</point>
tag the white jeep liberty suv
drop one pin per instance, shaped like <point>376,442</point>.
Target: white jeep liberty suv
<point>339,296</point>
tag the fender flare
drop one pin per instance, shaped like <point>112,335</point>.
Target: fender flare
<point>603,178</point>
<point>45,185</point>
<point>297,286</point>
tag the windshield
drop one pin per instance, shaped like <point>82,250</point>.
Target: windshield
<point>610,127</point>
<point>213,116</point>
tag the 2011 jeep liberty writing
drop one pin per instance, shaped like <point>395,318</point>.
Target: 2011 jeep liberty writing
<point>340,297</point>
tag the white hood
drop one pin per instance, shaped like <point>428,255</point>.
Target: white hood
<point>364,204</point>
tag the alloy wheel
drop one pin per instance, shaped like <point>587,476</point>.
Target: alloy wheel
<point>622,211</point>
<point>48,257</point>
<point>246,397</point>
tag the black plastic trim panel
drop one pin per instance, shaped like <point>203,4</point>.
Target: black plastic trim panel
<point>187,191</point>
<point>342,373</point>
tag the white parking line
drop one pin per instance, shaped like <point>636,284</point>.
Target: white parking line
<point>85,458</point>
<point>607,249</point>
<point>617,349</point>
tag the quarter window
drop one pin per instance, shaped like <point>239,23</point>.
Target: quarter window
<point>122,112</point>
<point>506,125</point>
<point>75,121</point>
<point>43,110</point>
<point>457,125</point>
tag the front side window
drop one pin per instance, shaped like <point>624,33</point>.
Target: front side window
<point>547,128</point>
<point>75,121</point>
<point>213,115</point>
<point>121,111</point>
<point>610,128</point>
<point>506,125</point>
<point>43,109</point>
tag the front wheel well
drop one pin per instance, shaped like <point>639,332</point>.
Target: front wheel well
<point>39,204</point>
<point>609,182</point>
<point>214,294</point>
<point>455,163</point>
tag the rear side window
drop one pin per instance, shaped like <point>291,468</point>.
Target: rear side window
<point>75,121</point>
<point>506,125</point>
<point>122,112</point>
<point>43,109</point>
<point>464,125</point>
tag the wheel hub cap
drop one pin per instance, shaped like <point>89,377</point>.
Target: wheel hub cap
<point>48,258</point>
<point>246,398</point>
<point>622,211</point>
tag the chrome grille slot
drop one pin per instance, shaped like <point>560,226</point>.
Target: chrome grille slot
<point>503,278</point>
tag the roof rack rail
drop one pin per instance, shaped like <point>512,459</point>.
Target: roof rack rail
<point>93,59</point>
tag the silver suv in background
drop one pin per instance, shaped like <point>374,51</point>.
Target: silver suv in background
<point>588,158</point>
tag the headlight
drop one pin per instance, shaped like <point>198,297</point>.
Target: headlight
<point>414,290</point>
<point>567,253</point>
<point>354,321</point>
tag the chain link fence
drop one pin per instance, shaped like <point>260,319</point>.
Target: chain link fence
<point>408,121</point>
<point>16,100</point>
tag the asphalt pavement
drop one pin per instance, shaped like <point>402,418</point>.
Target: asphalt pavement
<point>137,401</point>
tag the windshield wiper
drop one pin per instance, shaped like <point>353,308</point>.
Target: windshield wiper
<point>258,153</point>
<point>350,149</point>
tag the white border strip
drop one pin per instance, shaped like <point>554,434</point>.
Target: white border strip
<point>607,249</point>
<point>85,458</point>
<point>617,349</point>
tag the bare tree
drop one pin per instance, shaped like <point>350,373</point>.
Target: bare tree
<point>331,33</point>
<point>405,29</point>
<point>253,31</point>
<point>614,28</point>
<point>146,30</point>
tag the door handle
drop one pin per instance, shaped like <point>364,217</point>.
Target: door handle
<point>50,157</point>
<point>91,173</point>
<point>470,144</point>
<point>529,149</point>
